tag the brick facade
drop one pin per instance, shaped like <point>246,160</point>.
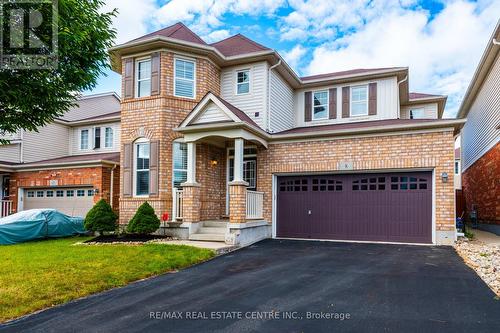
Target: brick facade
<point>238,200</point>
<point>426,150</point>
<point>99,177</point>
<point>154,118</point>
<point>481,186</point>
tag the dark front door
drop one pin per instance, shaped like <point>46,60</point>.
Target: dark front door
<point>393,207</point>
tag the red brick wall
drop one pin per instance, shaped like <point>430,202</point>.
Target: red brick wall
<point>154,117</point>
<point>481,186</point>
<point>98,177</point>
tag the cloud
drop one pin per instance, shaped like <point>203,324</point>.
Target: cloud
<point>441,53</point>
<point>294,56</point>
<point>216,35</point>
<point>132,19</point>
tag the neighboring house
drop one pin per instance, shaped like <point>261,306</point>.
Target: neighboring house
<point>68,164</point>
<point>480,138</point>
<point>228,130</point>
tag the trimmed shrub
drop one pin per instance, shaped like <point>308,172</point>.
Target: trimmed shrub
<point>101,218</point>
<point>144,221</point>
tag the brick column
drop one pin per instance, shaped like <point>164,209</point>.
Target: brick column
<point>238,201</point>
<point>191,202</point>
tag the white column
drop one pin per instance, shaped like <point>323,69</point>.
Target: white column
<point>191,163</point>
<point>238,159</point>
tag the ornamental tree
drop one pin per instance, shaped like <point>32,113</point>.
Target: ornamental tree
<point>144,221</point>
<point>101,218</point>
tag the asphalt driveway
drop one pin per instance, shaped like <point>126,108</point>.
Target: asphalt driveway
<point>293,286</point>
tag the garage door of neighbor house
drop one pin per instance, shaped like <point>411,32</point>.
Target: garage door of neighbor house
<point>391,207</point>
<point>70,201</point>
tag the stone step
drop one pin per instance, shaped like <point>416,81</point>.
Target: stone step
<point>215,224</point>
<point>211,230</point>
<point>208,237</point>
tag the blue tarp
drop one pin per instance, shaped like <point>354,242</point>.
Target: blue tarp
<point>38,223</point>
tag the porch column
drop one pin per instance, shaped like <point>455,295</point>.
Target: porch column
<point>238,187</point>
<point>191,189</point>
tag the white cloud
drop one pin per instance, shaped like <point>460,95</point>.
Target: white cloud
<point>294,56</point>
<point>132,19</point>
<point>216,35</point>
<point>441,53</point>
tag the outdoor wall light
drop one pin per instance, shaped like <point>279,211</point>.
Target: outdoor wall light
<point>213,162</point>
<point>444,177</point>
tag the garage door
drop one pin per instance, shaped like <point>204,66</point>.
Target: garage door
<point>391,207</point>
<point>71,201</point>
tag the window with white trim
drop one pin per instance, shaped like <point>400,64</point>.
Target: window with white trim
<point>50,194</point>
<point>184,81</point>
<point>359,100</point>
<point>143,77</point>
<point>97,137</point>
<point>249,166</point>
<point>457,167</point>
<point>59,193</point>
<point>418,113</point>
<point>70,193</point>
<point>180,163</point>
<point>320,105</point>
<point>80,193</point>
<point>108,137</point>
<point>141,166</point>
<point>31,194</point>
<point>243,82</point>
<point>84,139</point>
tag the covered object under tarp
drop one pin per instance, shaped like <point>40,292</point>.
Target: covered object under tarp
<point>36,224</point>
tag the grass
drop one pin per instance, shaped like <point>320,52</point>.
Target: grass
<point>37,275</point>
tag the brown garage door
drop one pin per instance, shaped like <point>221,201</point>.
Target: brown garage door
<point>392,207</point>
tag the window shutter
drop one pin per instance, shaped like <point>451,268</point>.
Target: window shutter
<point>155,73</point>
<point>128,79</point>
<point>345,102</point>
<point>127,170</point>
<point>308,106</point>
<point>372,99</point>
<point>332,103</point>
<point>153,167</point>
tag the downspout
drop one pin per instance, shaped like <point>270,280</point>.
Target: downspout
<point>269,94</point>
<point>399,102</point>
<point>495,42</point>
<point>112,185</point>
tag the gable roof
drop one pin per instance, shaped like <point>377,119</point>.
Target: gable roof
<point>177,31</point>
<point>238,44</point>
<point>93,106</point>
<point>415,95</point>
<point>234,112</point>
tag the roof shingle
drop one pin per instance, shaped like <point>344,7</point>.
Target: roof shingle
<point>177,31</point>
<point>238,44</point>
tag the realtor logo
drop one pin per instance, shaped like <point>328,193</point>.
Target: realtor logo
<point>28,34</point>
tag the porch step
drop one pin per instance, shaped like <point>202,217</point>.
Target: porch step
<point>215,224</point>
<point>212,230</point>
<point>208,237</point>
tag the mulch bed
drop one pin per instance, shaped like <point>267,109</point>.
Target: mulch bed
<point>126,238</point>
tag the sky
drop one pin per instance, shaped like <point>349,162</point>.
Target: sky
<point>440,41</point>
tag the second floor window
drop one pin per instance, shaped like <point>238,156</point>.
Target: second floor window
<point>243,82</point>
<point>141,178</point>
<point>84,139</point>
<point>184,85</point>
<point>108,137</point>
<point>359,101</point>
<point>320,105</point>
<point>143,75</point>
<point>417,113</point>
<point>97,137</point>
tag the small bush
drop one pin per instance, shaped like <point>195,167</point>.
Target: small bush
<point>101,218</point>
<point>144,221</point>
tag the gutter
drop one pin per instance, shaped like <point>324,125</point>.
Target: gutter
<point>24,167</point>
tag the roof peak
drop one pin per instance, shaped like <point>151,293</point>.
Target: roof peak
<point>177,31</point>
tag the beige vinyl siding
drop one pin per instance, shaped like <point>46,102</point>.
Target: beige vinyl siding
<point>256,99</point>
<point>75,139</point>
<point>10,153</point>
<point>430,110</point>
<point>211,114</point>
<point>50,141</point>
<point>481,131</point>
<point>281,113</point>
<point>387,103</point>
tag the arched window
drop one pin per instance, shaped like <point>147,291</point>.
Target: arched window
<point>141,167</point>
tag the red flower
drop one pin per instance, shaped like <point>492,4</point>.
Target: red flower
<point>164,217</point>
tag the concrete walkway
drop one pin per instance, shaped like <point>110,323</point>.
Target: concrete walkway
<point>218,247</point>
<point>485,237</point>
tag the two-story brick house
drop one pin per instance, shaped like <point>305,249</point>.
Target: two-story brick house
<point>68,164</point>
<point>229,130</point>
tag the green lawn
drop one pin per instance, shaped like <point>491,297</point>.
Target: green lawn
<point>36,275</point>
